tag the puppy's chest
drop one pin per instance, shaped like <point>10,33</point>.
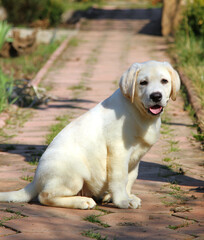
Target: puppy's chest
<point>142,145</point>
<point>150,136</point>
<point>138,151</point>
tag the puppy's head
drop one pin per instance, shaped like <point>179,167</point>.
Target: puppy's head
<point>149,85</point>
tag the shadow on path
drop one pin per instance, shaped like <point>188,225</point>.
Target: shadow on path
<point>179,124</point>
<point>151,27</point>
<point>160,173</point>
<point>67,104</point>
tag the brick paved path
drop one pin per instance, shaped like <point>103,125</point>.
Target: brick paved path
<point>170,179</point>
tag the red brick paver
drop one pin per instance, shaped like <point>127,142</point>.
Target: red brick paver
<point>172,197</point>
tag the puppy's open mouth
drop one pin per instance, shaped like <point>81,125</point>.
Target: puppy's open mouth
<point>155,110</point>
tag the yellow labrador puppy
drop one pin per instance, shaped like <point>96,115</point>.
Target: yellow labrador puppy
<point>98,154</point>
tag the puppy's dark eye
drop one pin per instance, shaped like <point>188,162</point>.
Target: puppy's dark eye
<point>143,83</point>
<point>164,81</point>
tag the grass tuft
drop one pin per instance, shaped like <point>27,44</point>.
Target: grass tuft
<point>94,235</point>
<point>74,42</point>
<point>56,128</point>
<point>34,161</point>
<point>175,227</point>
<point>95,219</point>
<point>27,178</point>
<point>167,159</point>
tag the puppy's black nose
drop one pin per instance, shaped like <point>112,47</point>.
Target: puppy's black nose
<point>156,96</point>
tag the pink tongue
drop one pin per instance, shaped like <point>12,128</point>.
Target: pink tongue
<point>155,109</point>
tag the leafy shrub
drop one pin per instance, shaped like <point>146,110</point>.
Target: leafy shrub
<point>54,10</point>
<point>28,11</point>
<point>194,17</point>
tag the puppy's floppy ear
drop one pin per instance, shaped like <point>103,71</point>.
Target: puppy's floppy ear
<point>175,81</point>
<point>128,81</point>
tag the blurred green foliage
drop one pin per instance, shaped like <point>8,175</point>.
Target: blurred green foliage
<point>4,29</point>
<point>189,45</point>
<point>28,11</point>
<point>85,1</point>
<point>6,86</point>
<point>193,21</point>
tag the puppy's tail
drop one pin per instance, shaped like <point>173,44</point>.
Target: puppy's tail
<point>23,195</point>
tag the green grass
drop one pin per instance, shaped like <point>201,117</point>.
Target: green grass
<point>94,235</point>
<point>26,67</point>
<point>56,128</point>
<point>17,215</point>
<point>104,211</point>
<point>74,42</point>
<point>175,187</point>
<point>189,51</point>
<point>166,130</point>
<point>95,219</point>
<point>175,168</point>
<point>6,85</point>
<point>173,146</point>
<point>79,87</point>
<point>187,105</point>
<point>81,5</point>
<point>175,227</point>
<point>17,118</point>
<point>199,137</point>
<point>179,195</point>
<point>34,160</point>
<point>120,4</point>
<point>27,178</point>
<point>4,29</point>
<point>167,159</point>
<point>175,196</point>
<point>169,203</point>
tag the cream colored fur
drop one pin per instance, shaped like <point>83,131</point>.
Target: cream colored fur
<point>98,154</point>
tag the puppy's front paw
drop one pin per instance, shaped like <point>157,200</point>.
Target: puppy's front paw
<point>131,202</point>
<point>122,203</point>
<point>135,202</point>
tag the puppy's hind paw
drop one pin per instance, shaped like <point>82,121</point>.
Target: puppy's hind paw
<point>87,203</point>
